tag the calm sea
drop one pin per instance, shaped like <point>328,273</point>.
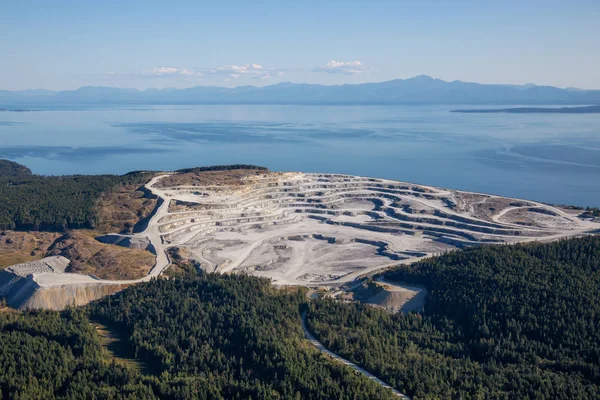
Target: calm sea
<point>545,157</point>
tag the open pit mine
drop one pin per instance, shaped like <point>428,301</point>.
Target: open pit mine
<point>310,229</point>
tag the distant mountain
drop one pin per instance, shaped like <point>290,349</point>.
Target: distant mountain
<point>418,90</point>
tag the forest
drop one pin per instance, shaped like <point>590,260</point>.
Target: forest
<point>56,203</point>
<point>202,337</point>
<point>48,355</point>
<point>502,322</point>
<point>508,322</point>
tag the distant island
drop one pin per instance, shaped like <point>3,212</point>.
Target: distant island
<point>534,110</point>
<point>14,110</point>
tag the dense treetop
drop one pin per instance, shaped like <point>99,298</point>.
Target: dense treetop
<point>56,203</point>
<point>47,355</point>
<point>230,337</point>
<point>210,337</point>
<point>508,322</point>
<point>499,322</point>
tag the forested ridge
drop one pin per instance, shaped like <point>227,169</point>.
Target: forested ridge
<point>11,168</point>
<point>518,322</point>
<point>208,337</point>
<point>56,203</point>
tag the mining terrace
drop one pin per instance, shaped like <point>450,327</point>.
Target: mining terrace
<point>315,229</point>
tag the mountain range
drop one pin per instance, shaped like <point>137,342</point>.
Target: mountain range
<point>418,90</point>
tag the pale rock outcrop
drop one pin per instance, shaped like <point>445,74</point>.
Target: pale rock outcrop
<point>18,286</point>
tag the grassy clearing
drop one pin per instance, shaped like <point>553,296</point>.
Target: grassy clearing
<point>117,348</point>
<point>19,247</point>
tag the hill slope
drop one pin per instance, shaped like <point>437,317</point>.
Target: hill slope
<point>12,169</point>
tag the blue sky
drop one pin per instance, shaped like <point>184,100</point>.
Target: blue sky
<point>67,44</point>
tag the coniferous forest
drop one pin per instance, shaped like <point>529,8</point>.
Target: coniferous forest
<point>209,337</point>
<point>56,203</point>
<point>47,355</point>
<point>513,322</point>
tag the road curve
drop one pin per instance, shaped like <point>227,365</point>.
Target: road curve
<point>152,233</point>
<point>309,336</point>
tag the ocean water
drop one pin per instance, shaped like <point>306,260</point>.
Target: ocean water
<point>546,157</point>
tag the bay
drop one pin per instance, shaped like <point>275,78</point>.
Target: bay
<point>553,158</point>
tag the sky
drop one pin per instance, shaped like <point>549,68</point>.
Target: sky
<point>66,44</point>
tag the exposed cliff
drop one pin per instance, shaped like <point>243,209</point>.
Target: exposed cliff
<point>391,297</point>
<point>59,297</point>
<point>20,289</point>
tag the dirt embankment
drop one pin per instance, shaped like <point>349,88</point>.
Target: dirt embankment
<point>87,255</point>
<point>390,296</point>
<point>105,261</point>
<point>21,289</point>
<point>60,297</point>
<point>19,247</point>
<point>182,263</point>
<point>119,209</point>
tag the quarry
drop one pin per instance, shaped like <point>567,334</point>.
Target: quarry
<point>324,231</point>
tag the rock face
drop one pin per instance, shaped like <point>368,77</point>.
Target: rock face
<point>59,297</point>
<point>54,264</point>
<point>16,289</point>
<point>306,229</point>
<point>21,290</point>
<point>392,297</point>
<point>127,241</point>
